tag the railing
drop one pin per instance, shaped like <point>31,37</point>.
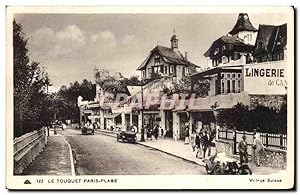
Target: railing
<point>27,148</point>
<point>269,140</point>
<point>274,140</point>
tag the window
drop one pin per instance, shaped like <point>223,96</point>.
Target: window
<point>222,86</point>
<point>162,69</point>
<point>228,86</point>
<point>166,69</point>
<point>223,48</point>
<point>236,56</point>
<point>228,75</point>
<point>183,71</point>
<point>143,73</point>
<point>171,69</point>
<point>156,60</point>
<point>233,75</point>
<point>239,86</point>
<point>225,59</point>
<point>233,86</point>
<point>216,51</point>
<point>239,75</point>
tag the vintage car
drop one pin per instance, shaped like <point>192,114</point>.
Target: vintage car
<point>128,136</point>
<point>85,131</point>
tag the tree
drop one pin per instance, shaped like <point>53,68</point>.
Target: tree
<point>30,83</point>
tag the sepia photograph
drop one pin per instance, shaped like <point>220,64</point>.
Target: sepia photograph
<point>150,97</point>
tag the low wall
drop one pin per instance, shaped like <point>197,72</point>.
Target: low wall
<point>225,147</point>
<point>275,158</point>
<point>27,148</point>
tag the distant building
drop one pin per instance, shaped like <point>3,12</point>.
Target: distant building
<point>236,47</point>
<point>164,61</point>
<point>270,43</point>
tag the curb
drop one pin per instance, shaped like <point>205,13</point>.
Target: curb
<point>192,161</point>
<point>71,156</point>
<point>142,144</point>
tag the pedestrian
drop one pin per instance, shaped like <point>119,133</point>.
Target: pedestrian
<point>155,132</point>
<point>149,132</point>
<point>186,135</point>
<point>205,141</point>
<point>162,133</point>
<point>198,145</point>
<point>258,149</point>
<point>193,139</point>
<point>242,147</point>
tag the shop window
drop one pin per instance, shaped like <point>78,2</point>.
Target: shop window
<point>233,86</point>
<point>228,86</point>
<point>238,86</point>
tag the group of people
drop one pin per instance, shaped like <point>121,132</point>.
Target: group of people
<point>157,132</point>
<point>257,146</point>
<point>202,141</point>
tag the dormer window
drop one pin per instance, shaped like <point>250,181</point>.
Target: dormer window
<point>223,48</point>
<point>156,60</point>
<point>216,51</point>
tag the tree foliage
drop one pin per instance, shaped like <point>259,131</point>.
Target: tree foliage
<point>64,102</point>
<point>266,119</point>
<point>30,83</point>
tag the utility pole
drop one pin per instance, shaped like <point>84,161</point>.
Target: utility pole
<point>143,128</point>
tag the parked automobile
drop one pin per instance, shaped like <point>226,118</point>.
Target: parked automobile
<point>85,131</point>
<point>214,167</point>
<point>128,136</point>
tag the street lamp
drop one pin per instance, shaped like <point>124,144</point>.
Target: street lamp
<point>142,112</point>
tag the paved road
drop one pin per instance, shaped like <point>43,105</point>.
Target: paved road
<point>103,155</point>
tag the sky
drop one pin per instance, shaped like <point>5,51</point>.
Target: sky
<point>70,46</point>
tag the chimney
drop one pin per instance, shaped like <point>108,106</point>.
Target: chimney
<point>186,55</point>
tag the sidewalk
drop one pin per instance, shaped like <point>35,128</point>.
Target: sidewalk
<point>180,150</point>
<point>54,160</point>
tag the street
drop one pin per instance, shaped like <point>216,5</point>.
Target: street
<point>102,155</point>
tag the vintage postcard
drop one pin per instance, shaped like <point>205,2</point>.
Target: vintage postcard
<point>173,97</point>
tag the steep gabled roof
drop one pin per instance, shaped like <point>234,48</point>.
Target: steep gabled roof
<point>234,40</point>
<point>169,56</point>
<point>242,24</point>
<point>269,36</point>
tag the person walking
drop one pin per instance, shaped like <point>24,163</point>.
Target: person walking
<point>242,147</point>
<point>149,132</point>
<point>155,132</point>
<point>258,149</point>
<point>187,135</point>
<point>205,143</point>
<point>198,145</point>
<point>162,133</point>
<point>193,139</point>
